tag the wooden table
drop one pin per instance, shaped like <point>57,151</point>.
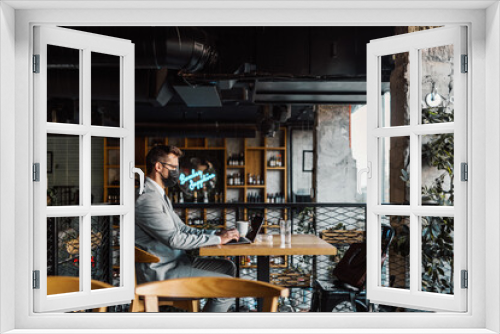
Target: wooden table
<point>302,244</point>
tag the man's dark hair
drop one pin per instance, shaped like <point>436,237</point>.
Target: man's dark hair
<point>157,153</point>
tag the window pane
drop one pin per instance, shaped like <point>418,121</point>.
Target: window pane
<point>395,99</point>
<point>63,85</point>
<point>394,169</point>
<point>437,254</point>
<point>105,171</point>
<point>396,267</point>
<point>63,170</point>
<point>437,84</point>
<point>105,79</point>
<point>438,169</point>
<point>105,246</point>
<point>63,250</point>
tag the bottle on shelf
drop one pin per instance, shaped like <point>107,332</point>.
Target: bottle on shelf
<point>279,164</point>
<point>195,196</point>
<point>181,197</point>
<point>250,178</point>
<point>230,180</point>
<point>242,159</point>
<point>205,196</point>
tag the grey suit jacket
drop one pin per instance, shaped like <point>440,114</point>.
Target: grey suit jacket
<point>159,231</point>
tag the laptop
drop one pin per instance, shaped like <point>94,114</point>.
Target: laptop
<point>256,224</point>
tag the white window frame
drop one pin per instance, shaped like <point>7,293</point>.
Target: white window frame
<point>85,43</point>
<point>482,316</point>
<point>413,43</point>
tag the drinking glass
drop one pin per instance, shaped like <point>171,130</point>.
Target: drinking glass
<point>286,232</point>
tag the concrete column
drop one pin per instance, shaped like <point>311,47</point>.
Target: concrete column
<point>335,168</point>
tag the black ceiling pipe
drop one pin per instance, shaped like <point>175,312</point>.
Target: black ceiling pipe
<point>178,48</point>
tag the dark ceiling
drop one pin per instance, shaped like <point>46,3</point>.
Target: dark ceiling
<point>212,76</point>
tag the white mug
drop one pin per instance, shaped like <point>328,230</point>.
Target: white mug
<point>242,227</point>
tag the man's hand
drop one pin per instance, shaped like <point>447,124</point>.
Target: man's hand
<point>228,235</point>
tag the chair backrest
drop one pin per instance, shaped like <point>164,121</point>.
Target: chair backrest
<point>141,256</point>
<point>137,305</point>
<point>211,287</point>
<point>352,267</point>
<point>65,284</point>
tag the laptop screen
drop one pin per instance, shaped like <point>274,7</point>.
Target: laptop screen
<point>256,225</point>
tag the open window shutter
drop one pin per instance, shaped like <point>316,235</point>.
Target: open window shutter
<point>416,156</point>
<point>80,153</point>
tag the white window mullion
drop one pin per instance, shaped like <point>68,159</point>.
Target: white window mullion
<point>432,129</point>
<point>373,183</point>
<point>67,129</point>
<point>85,170</point>
<point>460,156</point>
<point>128,188</point>
<point>109,132</point>
<point>415,171</point>
<point>434,211</point>
<point>85,254</point>
<point>392,210</point>
<point>40,156</point>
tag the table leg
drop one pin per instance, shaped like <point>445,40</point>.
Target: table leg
<point>238,259</point>
<point>263,269</point>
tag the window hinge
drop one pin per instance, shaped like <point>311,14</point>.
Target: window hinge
<point>465,64</point>
<point>36,63</point>
<point>36,279</point>
<point>465,279</point>
<point>464,171</point>
<point>36,172</point>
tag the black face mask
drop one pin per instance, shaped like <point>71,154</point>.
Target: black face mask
<point>172,179</point>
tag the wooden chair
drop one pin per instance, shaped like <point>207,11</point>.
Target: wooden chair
<point>211,287</point>
<point>65,284</point>
<point>137,305</point>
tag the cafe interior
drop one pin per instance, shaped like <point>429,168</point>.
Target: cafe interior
<point>272,123</point>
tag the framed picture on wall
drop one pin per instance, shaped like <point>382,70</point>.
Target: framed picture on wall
<point>307,161</point>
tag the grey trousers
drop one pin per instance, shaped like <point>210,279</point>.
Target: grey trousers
<point>207,267</point>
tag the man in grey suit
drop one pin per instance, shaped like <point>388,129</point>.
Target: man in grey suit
<point>159,231</point>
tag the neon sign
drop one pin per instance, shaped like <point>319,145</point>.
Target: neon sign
<point>195,184</point>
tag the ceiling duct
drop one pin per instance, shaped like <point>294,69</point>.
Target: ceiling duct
<point>178,48</point>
